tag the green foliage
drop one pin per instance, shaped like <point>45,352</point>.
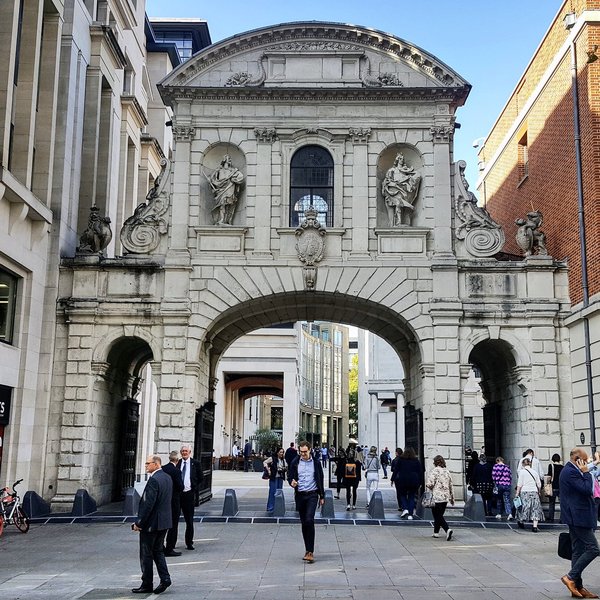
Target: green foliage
<point>267,440</point>
<point>353,389</point>
<point>301,435</point>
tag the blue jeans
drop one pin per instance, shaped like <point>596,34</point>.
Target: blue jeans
<point>504,495</point>
<point>585,550</point>
<point>274,485</point>
<point>407,498</point>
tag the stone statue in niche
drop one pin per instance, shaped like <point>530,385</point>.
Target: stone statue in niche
<point>98,234</point>
<point>529,237</point>
<point>400,188</point>
<point>226,183</point>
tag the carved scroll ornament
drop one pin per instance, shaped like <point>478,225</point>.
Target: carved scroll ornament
<point>142,231</point>
<point>244,79</point>
<point>481,234</point>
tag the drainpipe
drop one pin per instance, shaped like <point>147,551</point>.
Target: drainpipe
<point>583,249</point>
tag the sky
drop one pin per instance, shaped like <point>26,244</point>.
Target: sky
<point>488,42</point>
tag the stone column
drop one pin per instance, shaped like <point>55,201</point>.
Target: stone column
<point>291,412</point>
<point>263,192</point>
<point>360,192</point>
<point>442,135</point>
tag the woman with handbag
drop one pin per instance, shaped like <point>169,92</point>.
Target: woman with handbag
<point>276,467</point>
<point>528,491</point>
<point>340,466</point>
<point>439,482</point>
<point>551,486</point>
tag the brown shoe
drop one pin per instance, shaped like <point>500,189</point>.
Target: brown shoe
<point>305,557</point>
<point>575,593</point>
<point>309,558</point>
<point>586,593</point>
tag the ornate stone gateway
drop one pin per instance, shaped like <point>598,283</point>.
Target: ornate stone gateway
<point>312,179</point>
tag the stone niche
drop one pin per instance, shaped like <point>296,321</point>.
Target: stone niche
<point>385,161</point>
<point>209,162</point>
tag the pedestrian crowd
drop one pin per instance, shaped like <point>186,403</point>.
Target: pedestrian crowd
<point>173,489</point>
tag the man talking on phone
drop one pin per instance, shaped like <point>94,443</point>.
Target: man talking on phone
<point>578,511</point>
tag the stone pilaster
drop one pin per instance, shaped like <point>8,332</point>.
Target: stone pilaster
<point>359,137</point>
<point>441,137</point>
<point>265,137</point>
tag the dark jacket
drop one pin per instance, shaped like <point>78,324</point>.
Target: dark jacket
<point>175,474</point>
<point>482,481</point>
<point>272,466</point>
<point>247,450</point>
<point>290,455</point>
<point>293,474</point>
<point>154,512</point>
<point>352,481</point>
<point>556,479</point>
<point>408,473</point>
<point>577,507</point>
<point>195,474</point>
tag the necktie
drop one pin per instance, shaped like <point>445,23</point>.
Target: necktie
<point>183,471</point>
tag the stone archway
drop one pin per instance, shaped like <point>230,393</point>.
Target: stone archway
<point>431,288</point>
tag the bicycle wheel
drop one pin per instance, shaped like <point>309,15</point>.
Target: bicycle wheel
<point>21,520</point>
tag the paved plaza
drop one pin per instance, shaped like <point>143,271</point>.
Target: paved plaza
<point>252,561</point>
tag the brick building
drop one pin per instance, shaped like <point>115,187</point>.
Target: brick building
<point>530,161</point>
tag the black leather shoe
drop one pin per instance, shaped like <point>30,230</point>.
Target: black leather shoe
<point>190,547</point>
<point>142,590</point>
<point>161,587</point>
<point>172,553</point>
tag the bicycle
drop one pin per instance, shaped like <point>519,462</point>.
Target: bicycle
<point>11,511</point>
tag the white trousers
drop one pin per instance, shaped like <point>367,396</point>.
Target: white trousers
<point>372,484</point>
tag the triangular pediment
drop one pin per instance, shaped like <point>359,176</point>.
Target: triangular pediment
<point>314,54</point>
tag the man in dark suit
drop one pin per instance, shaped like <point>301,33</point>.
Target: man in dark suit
<point>247,454</point>
<point>191,475</point>
<point>290,454</point>
<point>578,511</point>
<point>175,474</point>
<point>153,521</point>
<point>305,475</point>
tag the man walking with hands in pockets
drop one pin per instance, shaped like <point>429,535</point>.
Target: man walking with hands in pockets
<point>305,475</point>
<point>578,511</point>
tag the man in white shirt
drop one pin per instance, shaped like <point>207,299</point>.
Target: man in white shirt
<point>191,474</point>
<point>535,463</point>
<point>235,452</point>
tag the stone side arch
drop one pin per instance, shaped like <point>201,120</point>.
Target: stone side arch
<point>105,343</point>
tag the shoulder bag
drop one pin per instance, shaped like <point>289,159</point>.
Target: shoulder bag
<point>565,548</point>
<point>427,500</point>
<point>548,479</point>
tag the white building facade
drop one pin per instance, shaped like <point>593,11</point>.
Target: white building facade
<point>347,206</point>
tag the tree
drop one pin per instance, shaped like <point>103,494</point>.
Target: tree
<point>267,440</point>
<point>353,390</point>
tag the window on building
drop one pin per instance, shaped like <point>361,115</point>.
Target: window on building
<point>8,299</point>
<point>277,418</point>
<point>182,40</point>
<point>523,158</point>
<point>311,185</point>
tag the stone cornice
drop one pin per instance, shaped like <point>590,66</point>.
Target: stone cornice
<point>317,33</point>
<point>133,103</point>
<point>447,94</point>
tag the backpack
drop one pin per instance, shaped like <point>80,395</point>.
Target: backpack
<point>350,471</point>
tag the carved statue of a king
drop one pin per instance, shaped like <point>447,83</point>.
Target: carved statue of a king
<point>400,187</point>
<point>226,183</point>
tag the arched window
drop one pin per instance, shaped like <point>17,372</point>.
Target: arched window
<point>311,184</point>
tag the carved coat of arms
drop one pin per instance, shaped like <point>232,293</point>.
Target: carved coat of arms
<point>310,239</point>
